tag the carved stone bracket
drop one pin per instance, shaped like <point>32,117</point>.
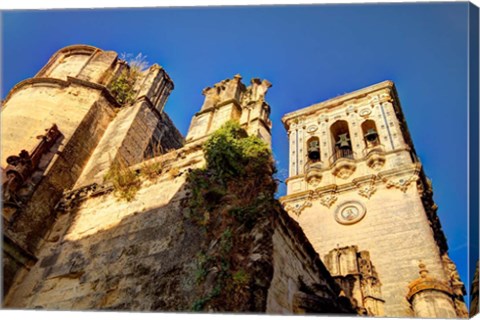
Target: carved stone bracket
<point>401,184</point>
<point>327,199</point>
<point>344,168</point>
<point>21,167</point>
<point>454,278</point>
<point>366,187</point>
<point>73,198</point>
<point>313,173</point>
<point>326,196</point>
<point>298,207</point>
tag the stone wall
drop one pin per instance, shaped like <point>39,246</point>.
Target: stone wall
<point>300,283</point>
<point>72,92</point>
<point>141,255</point>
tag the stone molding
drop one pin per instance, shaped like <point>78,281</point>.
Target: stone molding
<point>345,99</point>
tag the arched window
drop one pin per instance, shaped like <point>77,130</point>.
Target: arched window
<point>342,146</point>
<point>370,134</point>
<point>313,149</point>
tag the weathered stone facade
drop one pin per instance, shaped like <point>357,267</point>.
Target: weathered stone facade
<point>359,192</point>
<point>69,243</point>
<point>230,99</point>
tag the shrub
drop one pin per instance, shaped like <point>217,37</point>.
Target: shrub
<point>125,181</point>
<point>122,86</point>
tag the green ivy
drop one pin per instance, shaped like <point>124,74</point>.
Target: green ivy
<point>227,197</point>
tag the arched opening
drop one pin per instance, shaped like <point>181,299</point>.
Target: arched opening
<point>342,146</point>
<point>313,149</point>
<point>370,134</point>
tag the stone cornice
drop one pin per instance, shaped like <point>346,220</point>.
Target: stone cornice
<point>219,105</point>
<point>381,177</point>
<point>427,283</point>
<point>334,102</point>
<point>32,81</point>
<point>63,84</point>
<point>329,168</point>
<point>72,198</point>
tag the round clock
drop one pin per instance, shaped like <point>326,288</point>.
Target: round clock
<point>350,212</point>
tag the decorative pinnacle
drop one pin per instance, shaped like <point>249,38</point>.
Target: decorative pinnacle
<point>423,269</point>
<point>237,76</point>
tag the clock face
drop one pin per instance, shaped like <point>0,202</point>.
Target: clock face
<point>350,212</point>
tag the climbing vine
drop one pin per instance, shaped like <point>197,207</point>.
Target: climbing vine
<point>227,198</point>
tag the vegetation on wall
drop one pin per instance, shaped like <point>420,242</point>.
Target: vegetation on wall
<point>122,87</point>
<point>124,180</point>
<point>228,197</point>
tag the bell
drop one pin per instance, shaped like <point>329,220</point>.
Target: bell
<point>343,141</point>
<point>313,150</point>
<point>371,135</point>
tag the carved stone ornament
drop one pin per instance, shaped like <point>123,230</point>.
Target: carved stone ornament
<point>344,168</point>
<point>327,199</point>
<point>402,183</point>
<point>365,112</point>
<point>312,128</point>
<point>454,277</point>
<point>350,212</point>
<point>366,188</point>
<point>313,173</point>
<point>366,191</point>
<point>298,207</point>
<point>314,181</point>
<point>376,158</point>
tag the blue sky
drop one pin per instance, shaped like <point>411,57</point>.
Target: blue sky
<point>309,53</point>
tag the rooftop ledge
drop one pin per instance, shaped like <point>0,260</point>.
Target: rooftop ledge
<point>387,84</point>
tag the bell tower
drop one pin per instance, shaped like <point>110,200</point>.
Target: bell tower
<point>359,192</point>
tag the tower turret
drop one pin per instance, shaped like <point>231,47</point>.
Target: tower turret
<point>230,99</point>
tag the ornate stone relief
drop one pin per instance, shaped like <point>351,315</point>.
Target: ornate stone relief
<point>326,198</point>
<point>315,181</point>
<point>298,207</point>
<point>366,188</point>
<point>367,191</point>
<point>376,158</point>
<point>354,271</point>
<point>402,183</point>
<point>312,128</point>
<point>365,112</point>
<point>454,277</point>
<point>344,168</point>
<point>350,212</point>
<point>313,173</point>
<point>73,198</point>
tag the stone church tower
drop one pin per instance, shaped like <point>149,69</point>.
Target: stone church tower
<point>359,192</point>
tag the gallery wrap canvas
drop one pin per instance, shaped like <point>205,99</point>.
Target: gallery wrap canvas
<point>254,159</point>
